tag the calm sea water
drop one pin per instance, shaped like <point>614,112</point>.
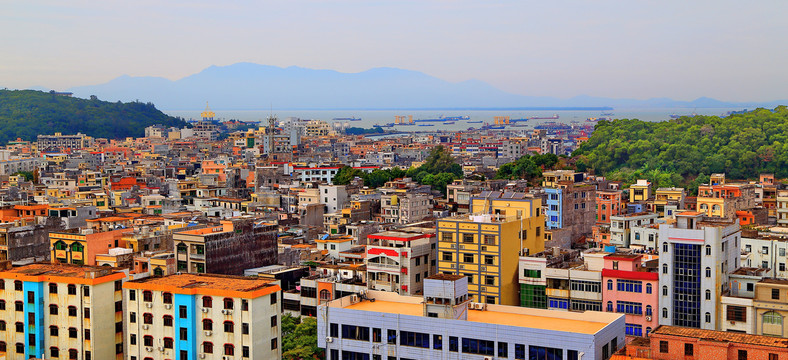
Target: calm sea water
<point>372,117</point>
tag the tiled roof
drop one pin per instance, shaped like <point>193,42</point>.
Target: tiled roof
<point>722,336</point>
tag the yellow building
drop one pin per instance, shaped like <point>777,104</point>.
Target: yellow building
<point>485,245</point>
<point>553,178</point>
<point>771,307</point>
<point>640,191</point>
<point>61,312</point>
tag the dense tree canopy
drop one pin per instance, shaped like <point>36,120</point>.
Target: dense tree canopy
<point>527,167</point>
<point>26,114</point>
<point>299,338</point>
<point>678,151</point>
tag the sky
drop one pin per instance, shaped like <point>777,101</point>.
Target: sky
<point>729,50</point>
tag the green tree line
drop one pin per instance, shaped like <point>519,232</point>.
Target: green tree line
<point>26,114</point>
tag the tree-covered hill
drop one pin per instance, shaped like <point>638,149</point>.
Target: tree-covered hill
<point>27,113</point>
<point>675,151</point>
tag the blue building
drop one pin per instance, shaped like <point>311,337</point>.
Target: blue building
<point>554,217</point>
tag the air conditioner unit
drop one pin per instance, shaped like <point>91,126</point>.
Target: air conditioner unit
<point>648,318</point>
<point>453,266</point>
<point>479,306</point>
<point>148,305</point>
<point>453,246</point>
<point>733,322</point>
<point>168,306</point>
<point>462,247</point>
<point>145,327</point>
<point>329,339</point>
<point>488,358</point>
<point>148,349</point>
<point>161,348</point>
<point>484,268</point>
<point>205,310</point>
<point>354,298</point>
<point>202,356</point>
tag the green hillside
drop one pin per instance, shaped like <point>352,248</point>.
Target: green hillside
<point>27,113</point>
<point>675,152</point>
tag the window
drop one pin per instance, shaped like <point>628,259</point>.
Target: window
<point>207,302</point>
<point>391,337</point>
<point>147,340</point>
<point>53,330</point>
<point>72,311</point>
<point>52,309</point>
<point>87,313</point>
<point>229,349</point>
<point>228,303</point>
<point>454,344</point>
<point>708,317</point>
<point>610,284</point>
<point>447,237</point>
<point>467,238</point>
<point>182,312</point>
<point>376,335</point>
<point>688,350</point>
<point>437,342</point>
<point>663,347</point>
<point>775,294</point>
<point>708,294</point>
<point>629,286</point>
<point>168,343</point>
<point>17,285</point>
<point>648,310</point>
<point>489,260</point>
<point>664,312</point>
<point>488,280</point>
<point>648,288</point>
<point>133,339</point>
<point>489,239</point>
<point>664,247</point>
<point>772,318</point>
<point>167,320</point>
<point>540,352</point>
<point>664,291</point>
<point>708,272</point>
<point>409,338</point>
<point>773,356</point>
<point>166,298</point>
<point>467,258</point>
<point>207,324</point>
<point>765,250</point>
<point>475,346</point>
<point>228,326</point>
<point>72,332</point>
<point>132,295</point>
<point>207,347</point>
<point>634,329</point>
<point>132,317</point>
<point>503,350</point>
<point>447,256</point>
<point>609,306</point>
<point>147,318</point>
<point>736,313</point>
<point>354,332</point>
<point>71,289</point>
<point>628,307</point>
<point>183,334</point>
<point>20,348</point>
<point>664,268</point>
<point>708,250</point>
<point>2,304</point>
<point>742,354</point>
<point>86,292</point>
<point>147,296</point>
<point>52,288</point>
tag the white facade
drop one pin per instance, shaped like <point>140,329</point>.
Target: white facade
<point>621,226</point>
<point>334,197</point>
<point>766,253</point>
<point>696,257</point>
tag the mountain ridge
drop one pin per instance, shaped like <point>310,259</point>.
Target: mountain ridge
<point>251,86</point>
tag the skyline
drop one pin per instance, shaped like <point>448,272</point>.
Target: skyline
<point>724,50</point>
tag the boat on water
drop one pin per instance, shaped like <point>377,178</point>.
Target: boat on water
<point>426,124</point>
<point>449,123</point>
<point>444,118</point>
<point>606,114</point>
<point>475,122</point>
<point>519,120</point>
<point>347,119</point>
<point>554,117</point>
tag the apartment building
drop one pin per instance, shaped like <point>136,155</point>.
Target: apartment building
<point>445,324</point>
<point>403,201</point>
<point>570,205</point>
<point>667,200</point>
<point>738,309</point>
<point>697,254</point>
<point>485,246</point>
<point>61,311</point>
<point>81,248</point>
<point>632,289</point>
<point>230,248</point>
<point>60,141</point>
<point>723,199</point>
<point>673,342</point>
<point>766,251</point>
<point>621,227</point>
<point>190,316</point>
<point>608,204</point>
<point>399,261</point>
<point>640,191</point>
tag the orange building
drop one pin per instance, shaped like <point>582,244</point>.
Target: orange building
<point>608,203</point>
<point>673,342</point>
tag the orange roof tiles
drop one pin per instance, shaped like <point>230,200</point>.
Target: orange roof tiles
<point>75,274</point>
<point>207,284</point>
<point>722,336</point>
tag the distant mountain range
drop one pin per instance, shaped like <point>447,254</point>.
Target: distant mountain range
<point>248,86</point>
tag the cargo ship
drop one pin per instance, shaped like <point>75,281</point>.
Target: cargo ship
<point>475,122</point>
<point>554,117</point>
<point>444,118</point>
<point>347,119</point>
<point>426,124</point>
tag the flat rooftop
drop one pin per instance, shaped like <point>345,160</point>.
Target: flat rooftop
<point>489,316</point>
<point>82,274</point>
<point>207,284</point>
<point>722,336</point>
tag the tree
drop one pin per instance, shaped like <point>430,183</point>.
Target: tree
<point>299,338</point>
<point>346,174</point>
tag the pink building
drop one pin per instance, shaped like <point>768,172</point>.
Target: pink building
<point>630,288</point>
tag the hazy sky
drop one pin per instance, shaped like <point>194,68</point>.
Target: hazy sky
<point>730,50</point>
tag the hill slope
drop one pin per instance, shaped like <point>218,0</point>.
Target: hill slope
<point>248,86</point>
<point>742,146</point>
<point>27,113</point>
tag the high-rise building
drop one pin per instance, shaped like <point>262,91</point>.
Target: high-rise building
<point>485,246</point>
<point>191,316</point>
<point>697,254</point>
<point>59,311</point>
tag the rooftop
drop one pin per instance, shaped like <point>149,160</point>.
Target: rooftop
<point>207,284</point>
<point>722,336</point>
<point>39,272</point>
<point>520,317</point>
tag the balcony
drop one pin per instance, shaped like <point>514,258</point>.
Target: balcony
<point>385,267</point>
<point>557,293</point>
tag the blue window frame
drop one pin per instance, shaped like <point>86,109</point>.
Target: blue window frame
<point>634,329</point>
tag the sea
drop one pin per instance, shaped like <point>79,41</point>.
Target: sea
<point>369,118</point>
